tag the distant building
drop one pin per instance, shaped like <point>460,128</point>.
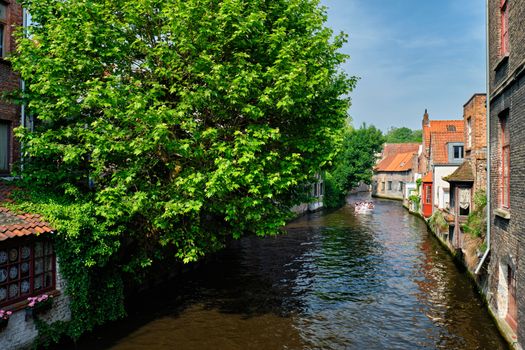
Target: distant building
<point>506,20</point>
<point>395,170</point>
<point>441,153</point>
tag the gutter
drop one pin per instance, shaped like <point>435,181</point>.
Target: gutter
<point>23,88</point>
<point>488,207</point>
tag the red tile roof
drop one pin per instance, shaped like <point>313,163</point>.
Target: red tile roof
<point>439,141</point>
<point>17,225</point>
<point>390,149</point>
<point>441,126</point>
<point>397,162</point>
<point>427,177</point>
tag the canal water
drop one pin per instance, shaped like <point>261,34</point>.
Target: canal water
<point>336,280</point>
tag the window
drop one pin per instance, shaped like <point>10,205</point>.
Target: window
<point>469,132</point>
<point>401,186</point>
<point>428,194</point>
<point>4,147</point>
<point>321,188</point>
<point>464,201</point>
<point>3,27</point>
<point>390,185</point>
<point>458,152</point>
<point>505,160</point>
<point>504,28</point>
<point>27,267</point>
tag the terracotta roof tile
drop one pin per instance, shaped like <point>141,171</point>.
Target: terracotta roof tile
<point>390,149</point>
<point>428,177</point>
<point>397,162</point>
<point>441,126</point>
<point>12,224</point>
<point>439,148</point>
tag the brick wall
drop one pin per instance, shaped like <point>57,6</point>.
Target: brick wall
<point>8,80</point>
<point>507,93</point>
<point>20,334</point>
<point>476,110</point>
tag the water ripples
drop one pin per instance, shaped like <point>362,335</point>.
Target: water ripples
<point>334,281</point>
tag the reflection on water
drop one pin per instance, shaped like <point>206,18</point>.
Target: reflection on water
<point>334,281</point>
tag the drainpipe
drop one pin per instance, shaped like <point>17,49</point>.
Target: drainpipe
<point>478,268</point>
<point>23,108</point>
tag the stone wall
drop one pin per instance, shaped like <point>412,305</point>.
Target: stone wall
<point>21,333</point>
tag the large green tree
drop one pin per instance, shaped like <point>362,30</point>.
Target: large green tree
<point>173,124</point>
<point>191,119</point>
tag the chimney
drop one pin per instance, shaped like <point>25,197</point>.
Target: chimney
<point>426,120</point>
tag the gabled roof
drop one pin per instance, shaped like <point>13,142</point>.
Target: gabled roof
<point>441,126</point>
<point>397,162</point>
<point>390,149</point>
<point>462,174</point>
<point>18,225</point>
<point>439,141</point>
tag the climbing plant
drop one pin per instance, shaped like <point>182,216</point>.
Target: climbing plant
<point>437,221</point>
<point>476,220</point>
<point>165,126</point>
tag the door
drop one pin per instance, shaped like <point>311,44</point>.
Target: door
<point>512,310</point>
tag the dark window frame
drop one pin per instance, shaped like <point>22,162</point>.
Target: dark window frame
<point>458,152</point>
<point>4,25</point>
<point>30,241</point>
<point>9,145</point>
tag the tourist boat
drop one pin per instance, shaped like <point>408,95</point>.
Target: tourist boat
<point>364,207</point>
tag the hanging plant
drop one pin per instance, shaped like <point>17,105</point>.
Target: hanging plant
<point>4,318</point>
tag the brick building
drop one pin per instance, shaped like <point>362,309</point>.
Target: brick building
<point>10,17</point>
<point>470,177</point>
<point>441,153</point>
<point>28,266</point>
<point>395,170</point>
<point>506,69</point>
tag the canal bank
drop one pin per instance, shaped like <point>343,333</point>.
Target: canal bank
<point>479,280</point>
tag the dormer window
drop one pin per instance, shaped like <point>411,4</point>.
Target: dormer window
<point>451,128</point>
<point>455,152</point>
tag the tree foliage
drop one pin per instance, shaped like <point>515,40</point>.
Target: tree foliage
<point>476,224</point>
<point>165,126</point>
<point>354,163</point>
<point>403,135</point>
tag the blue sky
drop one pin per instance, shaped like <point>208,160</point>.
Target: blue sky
<point>411,55</point>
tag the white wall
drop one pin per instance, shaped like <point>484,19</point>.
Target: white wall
<point>439,185</point>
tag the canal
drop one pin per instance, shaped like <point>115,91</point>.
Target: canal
<point>336,280</point>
